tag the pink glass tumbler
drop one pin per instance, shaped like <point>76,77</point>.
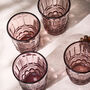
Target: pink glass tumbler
<point>30,69</point>
<point>24,28</point>
<point>77,60</point>
<point>55,14</point>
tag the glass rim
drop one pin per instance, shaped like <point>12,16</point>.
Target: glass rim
<point>35,53</point>
<point>65,59</point>
<point>54,17</point>
<point>30,37</point>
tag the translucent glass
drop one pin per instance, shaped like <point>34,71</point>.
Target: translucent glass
<point>24,30</point>
<point>55,14</point>
<point>30,69</point>
<point>77,60</point>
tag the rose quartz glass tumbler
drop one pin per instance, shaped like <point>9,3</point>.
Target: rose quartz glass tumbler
<point>77,60</point>
<point>24,28</point>
<point>55,14</point>
<point>30,69</point>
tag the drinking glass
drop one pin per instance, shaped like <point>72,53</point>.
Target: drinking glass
<point>30,69</point>
<point>77,60</point>
<point>55,14</point>
<point>24,28</point>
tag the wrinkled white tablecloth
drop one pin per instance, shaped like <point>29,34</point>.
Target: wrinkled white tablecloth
<point>8,53</point>
<point>57,44</point>
<point>72,35</point>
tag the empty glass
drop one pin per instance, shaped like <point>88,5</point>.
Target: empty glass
<point>24,28</point>
<point>30,69</point>
<point>77,60</point>
<point>55,15</point>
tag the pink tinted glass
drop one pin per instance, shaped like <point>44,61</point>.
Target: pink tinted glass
<point>24,30</point>
<point>30,69</point>
<point>77,60</point>
<point>55,14</point>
